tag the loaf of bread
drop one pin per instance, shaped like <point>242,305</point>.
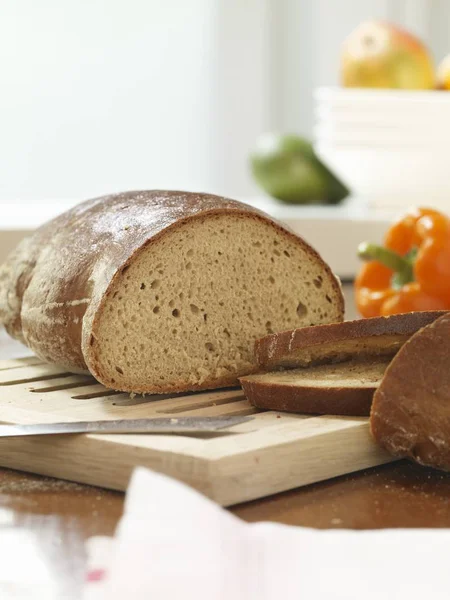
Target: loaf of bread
<point>410,415</point>
<point>161,291</point>
<point>330,369</point>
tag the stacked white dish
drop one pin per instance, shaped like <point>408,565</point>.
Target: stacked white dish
<point>391,147</point>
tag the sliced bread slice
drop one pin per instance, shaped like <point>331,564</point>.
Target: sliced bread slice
<point>334,389</point>
<point>337,342</point>
<point>331,369</point>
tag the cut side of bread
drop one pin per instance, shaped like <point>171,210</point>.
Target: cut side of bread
<point>334,389</point>
<point>184,312</point>
<point>338,342</point>
<point>162,291</point>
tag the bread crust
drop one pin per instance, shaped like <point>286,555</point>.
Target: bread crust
<point>410,415</point>
<point>53,287</point>
<point>270,349</point>
<point>308,399</point>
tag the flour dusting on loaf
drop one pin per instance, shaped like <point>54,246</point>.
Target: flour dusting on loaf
<point>162,291</point>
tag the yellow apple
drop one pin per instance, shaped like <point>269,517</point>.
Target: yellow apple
<point>381,55</point>
<point>443,74</point>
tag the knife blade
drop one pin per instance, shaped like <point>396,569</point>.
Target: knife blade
<point>157,425</point>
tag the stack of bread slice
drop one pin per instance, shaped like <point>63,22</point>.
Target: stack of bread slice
<point>329,369</point>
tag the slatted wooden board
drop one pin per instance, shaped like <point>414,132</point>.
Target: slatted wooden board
<point>271,453</point>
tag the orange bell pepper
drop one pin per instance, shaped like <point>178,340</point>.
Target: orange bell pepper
<point>411,271</point>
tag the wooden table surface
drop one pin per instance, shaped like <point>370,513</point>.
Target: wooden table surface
<point>395,495</point>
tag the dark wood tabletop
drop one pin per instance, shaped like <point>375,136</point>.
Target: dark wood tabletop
<point>399,494</point>
<point>63,514</point>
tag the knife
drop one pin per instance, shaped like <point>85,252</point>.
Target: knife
<point>159,425</point>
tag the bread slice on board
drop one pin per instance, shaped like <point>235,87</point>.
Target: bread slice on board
<point>411,409</point>
<point>161,291</point>
<point>337,342</point>
<point>333,389</point>
<point>345,364</point>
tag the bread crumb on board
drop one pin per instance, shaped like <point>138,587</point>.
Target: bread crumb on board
<point>44,484</point>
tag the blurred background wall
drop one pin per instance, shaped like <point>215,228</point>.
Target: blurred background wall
<point>104,95</point>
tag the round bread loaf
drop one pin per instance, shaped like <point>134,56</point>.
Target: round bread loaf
<point>161,291</point>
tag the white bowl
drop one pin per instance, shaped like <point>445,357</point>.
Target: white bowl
<point>409,137</point>
<point>379,98</point>
<point>370,121</point>
<point>388,146</point>
<point>378,110</point>
<point>391,178</point>
<point>374,109</point>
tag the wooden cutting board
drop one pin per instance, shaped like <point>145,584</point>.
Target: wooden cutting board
<point>272,453</point>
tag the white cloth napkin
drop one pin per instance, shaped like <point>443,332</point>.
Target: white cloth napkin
<point>25,570</point>
<point>174,543</point>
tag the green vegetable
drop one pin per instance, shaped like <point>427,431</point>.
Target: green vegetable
<point>286,167</point>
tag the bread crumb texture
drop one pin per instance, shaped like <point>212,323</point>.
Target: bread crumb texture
<point>184,314</point>
<point>356,373</point>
